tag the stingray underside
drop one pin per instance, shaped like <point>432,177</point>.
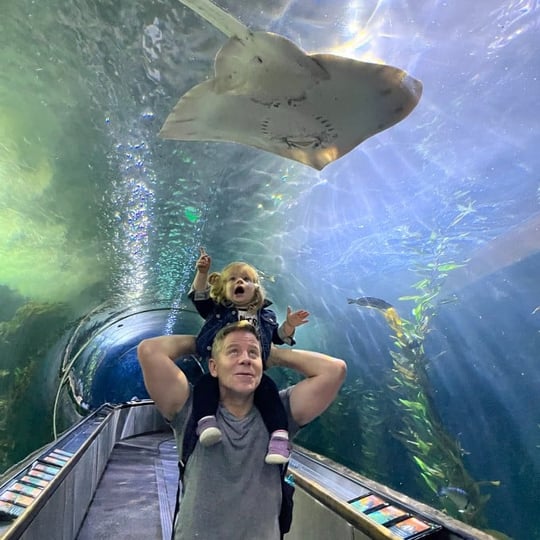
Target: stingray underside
<point>269,94</point>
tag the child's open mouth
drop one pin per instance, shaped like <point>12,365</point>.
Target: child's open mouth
<point>239,290</point>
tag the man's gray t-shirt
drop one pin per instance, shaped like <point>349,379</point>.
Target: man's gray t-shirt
<point>230,492</point>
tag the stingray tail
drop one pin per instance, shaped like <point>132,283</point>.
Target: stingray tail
<point>219,18</point>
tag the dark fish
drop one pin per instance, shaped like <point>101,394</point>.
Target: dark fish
<point>370,301</point>
<point>457,495</point>
<point>388,310</point>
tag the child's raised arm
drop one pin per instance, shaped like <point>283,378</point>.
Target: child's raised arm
<point>294,319</point>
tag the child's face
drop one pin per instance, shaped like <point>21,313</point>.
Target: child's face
<point>240,285</point>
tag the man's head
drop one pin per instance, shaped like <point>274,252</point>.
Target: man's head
<point>236,359</point>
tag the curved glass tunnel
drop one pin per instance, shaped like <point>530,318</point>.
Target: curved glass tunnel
<point>100,361</point>
<point>437,217</point>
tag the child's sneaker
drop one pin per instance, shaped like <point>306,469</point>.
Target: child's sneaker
<point>279,449</point>
<point>208,432</point>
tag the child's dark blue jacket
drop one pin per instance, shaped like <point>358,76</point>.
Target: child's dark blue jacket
<point>218,315</point>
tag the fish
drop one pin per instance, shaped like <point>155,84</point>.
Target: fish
<point>269,94</point>
<point>388,310</point>
<point>370,301</point>
<point>458,496</point>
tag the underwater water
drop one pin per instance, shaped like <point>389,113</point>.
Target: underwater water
<point>439,216</point>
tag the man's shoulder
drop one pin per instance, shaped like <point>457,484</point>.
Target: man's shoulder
<point>285,395</point>
<point>179,419</point>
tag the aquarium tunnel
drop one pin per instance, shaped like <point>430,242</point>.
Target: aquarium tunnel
<point>404,215</point>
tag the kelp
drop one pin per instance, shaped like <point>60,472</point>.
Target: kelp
<point>436,455</point>
<point>353,431</point>
<point>24,343</point>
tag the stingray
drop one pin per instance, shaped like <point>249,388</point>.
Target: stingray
<point>268,93</point>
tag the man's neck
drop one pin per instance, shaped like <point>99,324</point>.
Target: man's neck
<point>238,406</point>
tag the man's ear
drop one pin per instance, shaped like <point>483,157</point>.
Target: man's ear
<point>212,368</point>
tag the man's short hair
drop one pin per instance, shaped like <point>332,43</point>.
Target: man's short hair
<point>243,326</point>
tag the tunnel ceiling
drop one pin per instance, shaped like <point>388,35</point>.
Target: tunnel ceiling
<point>438,216</point>
<point>104,209</point>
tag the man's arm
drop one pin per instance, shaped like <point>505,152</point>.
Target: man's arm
<point>324,377</point>
<point>164,380</point>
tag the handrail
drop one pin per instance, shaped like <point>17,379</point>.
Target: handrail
<point>361,521</point>
<point>342,509</point>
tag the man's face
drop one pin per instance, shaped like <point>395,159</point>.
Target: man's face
<point>238,365</point>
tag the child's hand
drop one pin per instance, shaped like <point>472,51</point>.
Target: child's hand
<point>297,318</point>
<point>204,261</point>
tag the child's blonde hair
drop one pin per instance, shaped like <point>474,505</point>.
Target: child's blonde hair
<point>218,280</point>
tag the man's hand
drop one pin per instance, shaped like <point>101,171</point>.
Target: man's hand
<point>324,377</point>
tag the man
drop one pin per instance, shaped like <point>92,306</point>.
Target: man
<point>229,490</point>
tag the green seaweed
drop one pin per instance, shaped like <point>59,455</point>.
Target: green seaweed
<point>435,456</point>
<point>24,343</point>
<point>435,453</point>
<point>354,431</point>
